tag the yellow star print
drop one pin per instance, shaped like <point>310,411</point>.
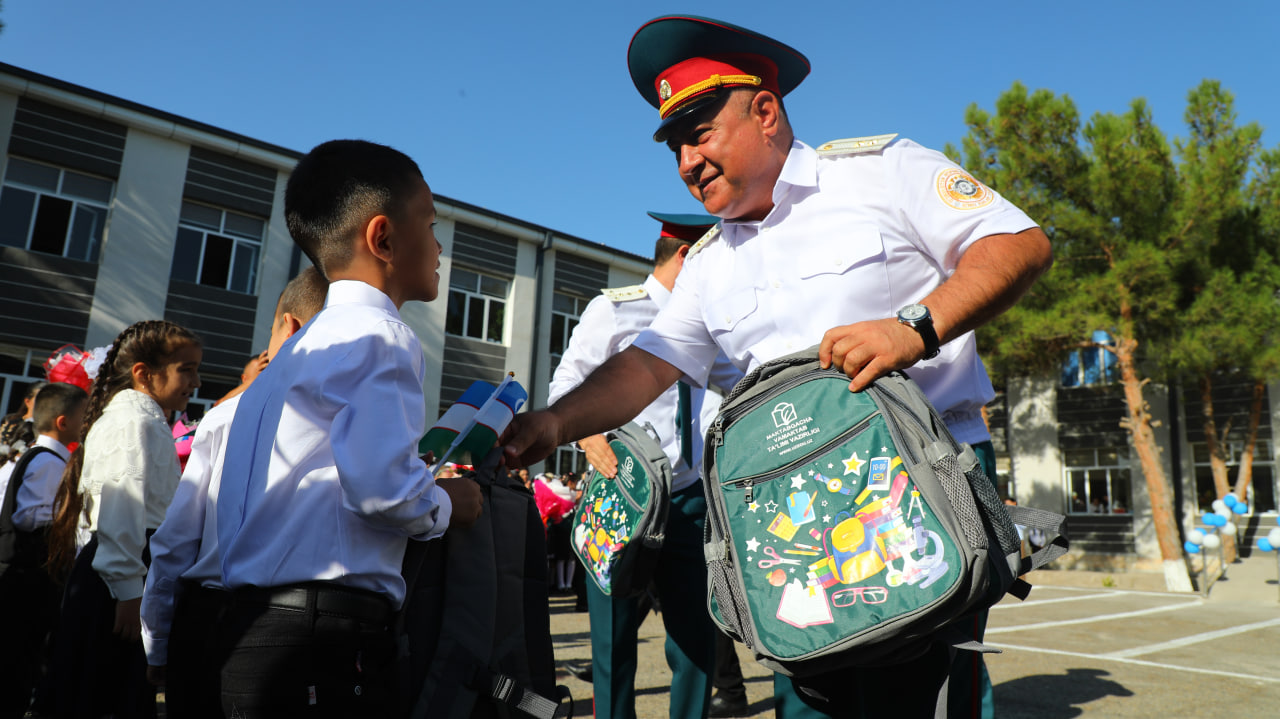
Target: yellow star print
<point>853,465</point>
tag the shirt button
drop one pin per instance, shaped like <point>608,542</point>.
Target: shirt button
<point>788,344</point>
<point>777,283</point>
<point>765,228</point>
<point>727,319</point>
<point>837,261</point>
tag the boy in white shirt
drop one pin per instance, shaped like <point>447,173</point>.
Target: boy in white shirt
<point>322,485</point>
<point>28,596</point>
<point>184,582</point>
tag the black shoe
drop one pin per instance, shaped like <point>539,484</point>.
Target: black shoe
<point>581,670</point>
<point>721,707</point>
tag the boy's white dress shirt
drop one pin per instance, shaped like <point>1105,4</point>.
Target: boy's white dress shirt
<point>321,479</point>
<point>185,547</point>
<point>33,507</point>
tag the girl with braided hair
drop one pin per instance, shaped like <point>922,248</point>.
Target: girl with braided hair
<point>118,484</point>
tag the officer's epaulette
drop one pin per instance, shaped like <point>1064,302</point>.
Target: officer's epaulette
<point>707,238</point>
<point>625,294</point>
<point>855,145</point>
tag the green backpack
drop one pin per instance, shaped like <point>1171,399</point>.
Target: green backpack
<point>850,529</point>
<point>620,523</point>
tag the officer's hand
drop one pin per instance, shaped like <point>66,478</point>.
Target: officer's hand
<point>600,454</point>
<point>530,438</point>
<point>868,350</point>
<point>128,624</point>
<point>467,500</point>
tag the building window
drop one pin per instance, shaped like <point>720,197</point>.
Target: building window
<point>1098,480</point>
<point>477,305</point>
<point>1262,488</point>
<point>44,208</point>
<point>218,248</point>
<point>566,460</point>
<point>565,312</point>
<point>1091,365</point>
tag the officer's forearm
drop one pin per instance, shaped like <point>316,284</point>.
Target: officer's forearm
<point>613,394</point>
<point>992,275</point>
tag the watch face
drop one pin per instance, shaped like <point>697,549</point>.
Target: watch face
<point>913,313</point>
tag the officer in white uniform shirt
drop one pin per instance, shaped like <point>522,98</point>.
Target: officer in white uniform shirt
<point>608,325</point>
<point>884,253</point>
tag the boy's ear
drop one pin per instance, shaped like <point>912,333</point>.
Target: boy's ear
<point>377,237</point>
<point>291,324</point>
<point>61,423</point>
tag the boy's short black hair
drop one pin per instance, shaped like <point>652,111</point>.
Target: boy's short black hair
<point>304,296</point>
<point>56,399</point>
<point>666,248</point>
<point>338,186</point>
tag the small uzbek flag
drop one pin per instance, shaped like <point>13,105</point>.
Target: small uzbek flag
<point>483,412</point>
<point>458,418</point>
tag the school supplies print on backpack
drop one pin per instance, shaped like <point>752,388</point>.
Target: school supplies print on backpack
<point>619,525</point>
<point>849,529</point>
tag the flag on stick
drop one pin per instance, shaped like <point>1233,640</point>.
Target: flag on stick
<point>478,436</point>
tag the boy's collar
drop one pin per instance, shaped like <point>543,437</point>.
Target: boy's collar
<point>347,292</point>
<point>58,447</point>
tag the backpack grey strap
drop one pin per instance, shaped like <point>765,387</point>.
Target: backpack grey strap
<point>512,694</point>
<point>1054,526</point>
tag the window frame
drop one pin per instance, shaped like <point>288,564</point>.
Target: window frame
<point>570,320</point>
<point>474,294</point>
<point>236,238</point>
<point>103,209</point>
<point>1119,469</point>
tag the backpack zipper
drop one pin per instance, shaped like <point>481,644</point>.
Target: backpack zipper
<point>748,483</point>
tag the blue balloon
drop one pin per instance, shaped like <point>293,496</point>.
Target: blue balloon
<point>1265,544</point>
<point>1207,518</point>
<point>1215,520</point>
<point>1191,548</point>
<point>1231,501</point>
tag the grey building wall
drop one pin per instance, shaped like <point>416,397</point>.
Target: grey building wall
<point>137,252</point>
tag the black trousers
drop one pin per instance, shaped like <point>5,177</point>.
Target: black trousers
<point>29,602</point>
<point>192,688</point>
<point>314,660</point>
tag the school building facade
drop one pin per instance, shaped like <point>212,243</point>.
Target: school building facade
<point>113,212</point>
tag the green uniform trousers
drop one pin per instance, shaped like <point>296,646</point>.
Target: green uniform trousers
<point>681,582</point>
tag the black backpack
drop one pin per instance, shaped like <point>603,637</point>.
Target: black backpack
<point>475,630</point>
<point>18,549</point>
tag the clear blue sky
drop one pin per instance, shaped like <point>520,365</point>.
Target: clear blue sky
<point>526,108</point>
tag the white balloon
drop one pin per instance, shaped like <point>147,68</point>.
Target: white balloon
<point>1274,537</point>
<point>1229,528</point>
<point>1196,536</point>
<point>1219,506</point>
<point>1212,541</point>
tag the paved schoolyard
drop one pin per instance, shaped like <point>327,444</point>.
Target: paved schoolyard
<point>1074,648</point>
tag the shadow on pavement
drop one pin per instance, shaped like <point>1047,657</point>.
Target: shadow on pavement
<point>1055,696</point>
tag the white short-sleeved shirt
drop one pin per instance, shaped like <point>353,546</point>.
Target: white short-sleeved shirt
<point>321,480</point>
<point>608,327</point>
<point>185,547</point>
<point>33,505</point>
<point>850,238</point>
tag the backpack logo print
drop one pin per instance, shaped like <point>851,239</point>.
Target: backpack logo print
<point>784,413</point>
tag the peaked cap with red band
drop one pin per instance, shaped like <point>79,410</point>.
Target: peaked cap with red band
<point>689,228</point>
<point>679,63</point>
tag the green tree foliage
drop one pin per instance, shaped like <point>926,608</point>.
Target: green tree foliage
<point>1137,239</point>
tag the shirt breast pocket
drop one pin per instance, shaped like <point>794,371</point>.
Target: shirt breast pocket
<point>858,247</point>
<point>726,313</point>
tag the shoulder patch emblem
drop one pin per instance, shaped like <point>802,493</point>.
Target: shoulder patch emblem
<point>625,294</point>
<point>958,190</point>
<point>856,145</point>
<point>703,241</point>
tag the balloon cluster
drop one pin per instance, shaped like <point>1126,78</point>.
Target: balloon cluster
<point>1220,520</point>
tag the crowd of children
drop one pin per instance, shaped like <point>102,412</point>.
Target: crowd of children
<point>262,580</point>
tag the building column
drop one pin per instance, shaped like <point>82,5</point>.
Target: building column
<point>140,236</point>
<point>1033,443</point>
